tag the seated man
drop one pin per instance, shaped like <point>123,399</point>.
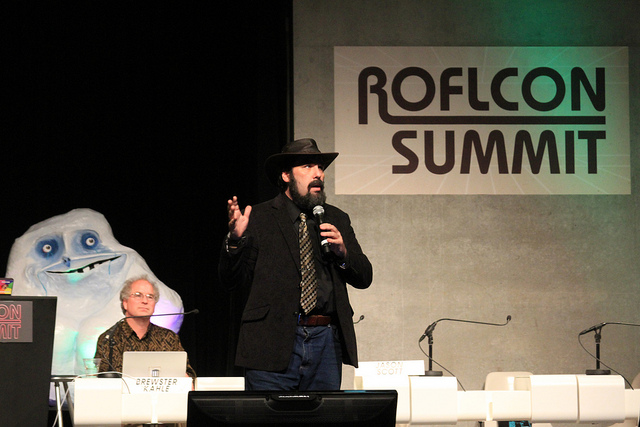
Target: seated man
<point>135,332</point>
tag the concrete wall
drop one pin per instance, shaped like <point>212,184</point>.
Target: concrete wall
<point>557,264</point>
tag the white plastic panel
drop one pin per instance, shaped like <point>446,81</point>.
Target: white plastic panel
<point>220,383</point>
<point>97,401</point>
<point>601,398</point>
<point>434,400</point>
<point>510,405</point>
<point>554,398</point>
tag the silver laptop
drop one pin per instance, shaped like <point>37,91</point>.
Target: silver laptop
<point>154,363</point>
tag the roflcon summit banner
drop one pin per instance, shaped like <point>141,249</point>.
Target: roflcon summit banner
<point>482,120</point>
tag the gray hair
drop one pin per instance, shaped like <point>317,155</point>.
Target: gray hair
<point>125,292</point>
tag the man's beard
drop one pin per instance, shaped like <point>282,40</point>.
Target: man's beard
<point>309,200</point>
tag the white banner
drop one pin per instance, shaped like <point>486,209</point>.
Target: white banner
<point>482,120</point>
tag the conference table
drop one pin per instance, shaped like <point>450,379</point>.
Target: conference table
<point>422,400</point>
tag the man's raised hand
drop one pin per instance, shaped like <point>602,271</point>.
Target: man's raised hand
<point>238,221</point>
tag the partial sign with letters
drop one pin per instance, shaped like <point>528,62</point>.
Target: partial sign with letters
<point>16,321</point>
<point>158,385</point>
<point>390,368</point>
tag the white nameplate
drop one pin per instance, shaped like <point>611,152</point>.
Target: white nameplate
<point>390,368</point>
<point>157,385</point>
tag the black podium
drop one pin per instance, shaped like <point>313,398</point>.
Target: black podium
<point>27,327</point>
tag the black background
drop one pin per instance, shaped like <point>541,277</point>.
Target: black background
<point>153,115</point>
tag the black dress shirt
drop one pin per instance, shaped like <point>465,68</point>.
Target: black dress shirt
<point>325,304</point>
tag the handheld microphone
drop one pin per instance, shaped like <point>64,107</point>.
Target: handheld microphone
<point>432,326</point>
<point>318,213</point>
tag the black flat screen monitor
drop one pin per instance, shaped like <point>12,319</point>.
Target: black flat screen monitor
<point>310,409</point>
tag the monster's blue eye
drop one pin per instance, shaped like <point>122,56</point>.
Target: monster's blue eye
<point>47,248</point>
<point>89,240</point>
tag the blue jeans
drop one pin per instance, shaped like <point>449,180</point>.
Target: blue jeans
<point>315,364</point>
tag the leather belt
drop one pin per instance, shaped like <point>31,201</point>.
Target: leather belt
<point>315,320</point>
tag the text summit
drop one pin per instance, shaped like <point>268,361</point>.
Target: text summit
<point>373,80</point>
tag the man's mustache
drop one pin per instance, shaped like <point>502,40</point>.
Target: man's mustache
<point>316,183</point>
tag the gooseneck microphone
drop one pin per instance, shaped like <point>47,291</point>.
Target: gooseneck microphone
<point>194,311</point>
<point>432,326</point>
<point>600,325</point>
<point>429,333</point>
<point>593,328</point>
<point>318,213</point>
<point>598,336</point>
<point>112,343</point>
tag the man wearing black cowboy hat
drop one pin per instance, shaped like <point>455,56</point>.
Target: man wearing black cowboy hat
<point>297,328</point>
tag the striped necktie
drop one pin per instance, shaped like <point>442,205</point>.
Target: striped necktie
<point>309,283</point>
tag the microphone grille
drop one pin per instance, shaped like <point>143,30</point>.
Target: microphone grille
<point>318,210</point>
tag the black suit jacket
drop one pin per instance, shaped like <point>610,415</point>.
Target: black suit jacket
<point>269,265</point>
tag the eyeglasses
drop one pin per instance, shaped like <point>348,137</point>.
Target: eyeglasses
<point>140,296</point>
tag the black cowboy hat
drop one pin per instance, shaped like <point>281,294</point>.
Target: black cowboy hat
<point>295,153</point>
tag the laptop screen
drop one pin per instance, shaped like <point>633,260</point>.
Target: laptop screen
<point>154,363</point>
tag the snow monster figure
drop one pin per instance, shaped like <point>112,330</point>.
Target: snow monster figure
<point>75,257</point>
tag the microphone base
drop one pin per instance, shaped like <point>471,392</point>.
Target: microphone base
<point>432,374</point>
<point>598,372</point>
<point>109,375</point>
